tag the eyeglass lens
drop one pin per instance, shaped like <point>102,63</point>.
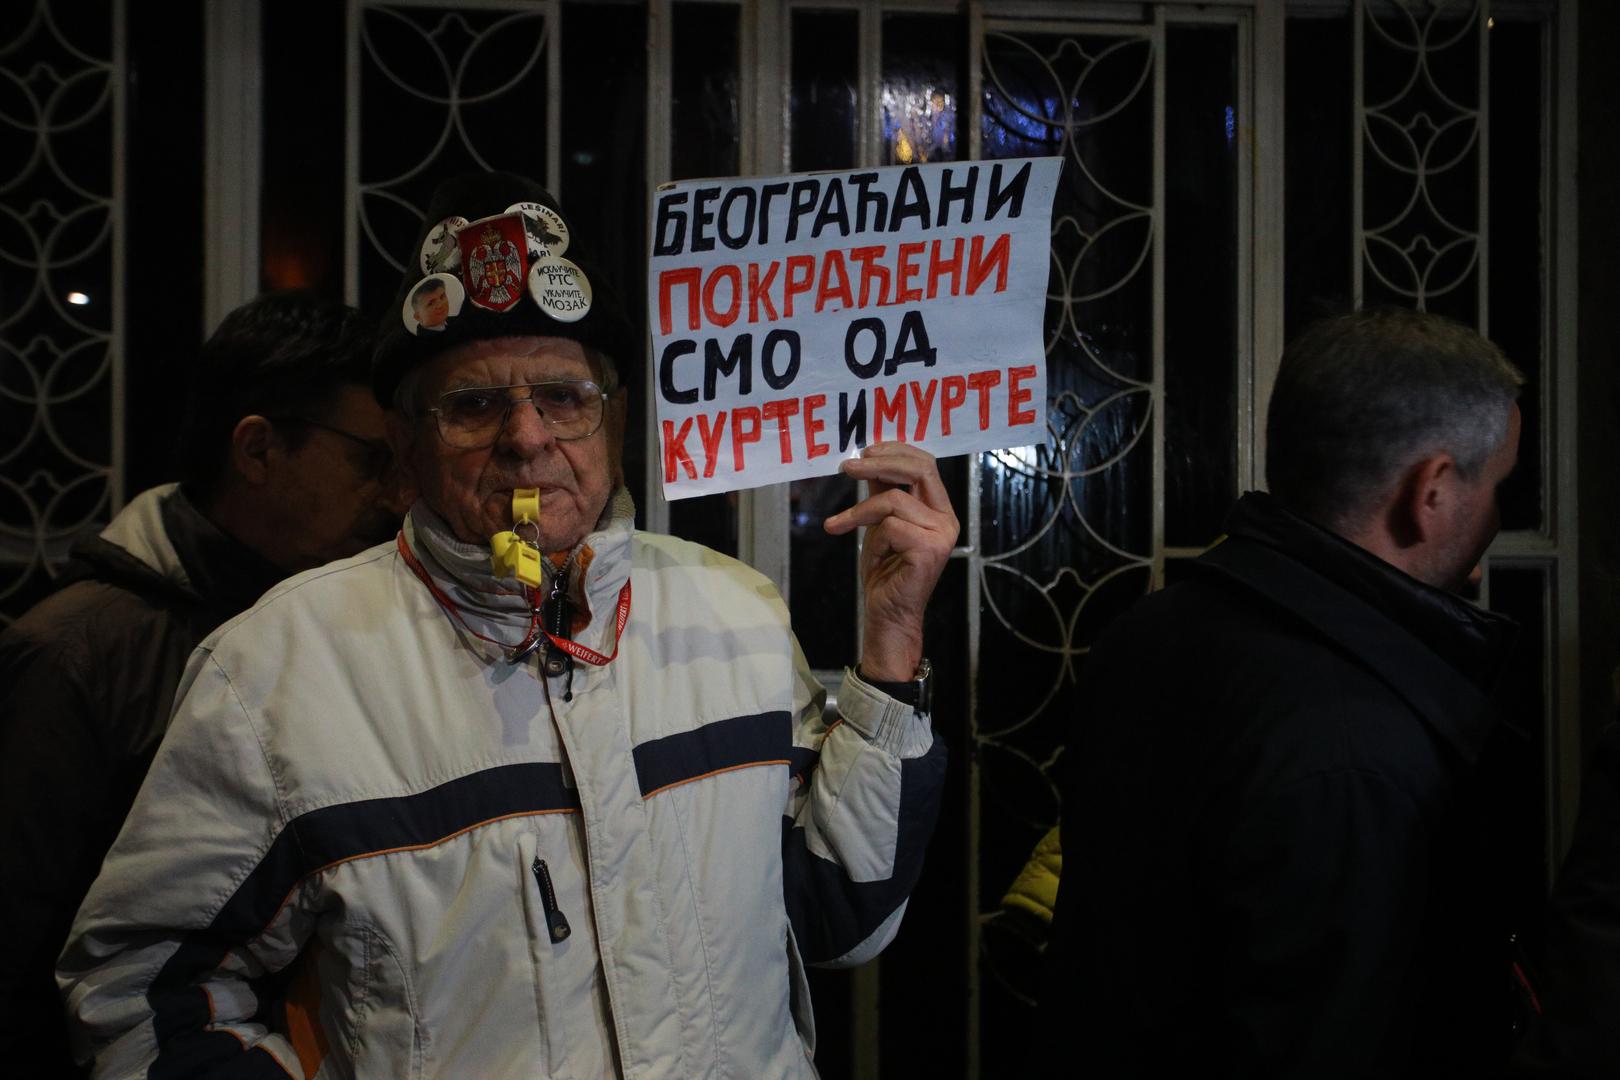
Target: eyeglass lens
<point>475,417</point>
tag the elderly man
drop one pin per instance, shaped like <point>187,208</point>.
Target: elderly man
<point>1274,864</point>
<point>285,466</point>
<point>587,828</point>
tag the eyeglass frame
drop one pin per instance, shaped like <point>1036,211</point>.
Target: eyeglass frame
<point>378,447</point>
<point>603,394</point>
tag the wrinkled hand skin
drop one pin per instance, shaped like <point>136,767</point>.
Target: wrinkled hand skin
<point>911,529</point>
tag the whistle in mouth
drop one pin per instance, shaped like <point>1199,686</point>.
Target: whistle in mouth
<point>526,507</point>
<point>512,555</point>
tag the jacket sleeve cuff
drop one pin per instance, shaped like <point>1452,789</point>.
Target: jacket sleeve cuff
<point>889,725</point>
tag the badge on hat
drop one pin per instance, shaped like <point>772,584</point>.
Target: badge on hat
<point>494,260</point>
<point>432,303</point>
<point>561,289</point>
<point>547,231</point>
<point>440,253</point>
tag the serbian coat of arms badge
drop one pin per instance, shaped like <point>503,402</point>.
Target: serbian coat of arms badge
<point>494,260</point>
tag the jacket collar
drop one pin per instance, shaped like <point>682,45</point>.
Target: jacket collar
<point>161,543</point>
<point>1441,654</point>
<point>598,566</point>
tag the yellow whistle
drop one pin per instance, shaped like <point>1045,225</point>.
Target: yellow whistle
<point>525,506</point>
<point>511,555</point>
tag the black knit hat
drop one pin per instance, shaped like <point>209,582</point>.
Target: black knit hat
<point>495,257</point>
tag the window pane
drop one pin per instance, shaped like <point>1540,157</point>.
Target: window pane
<point>604,172</point>
<point>1066,526</point>
<point>442,92</point>
<point>1200,281</point>
<point>924,65</point>
<point>822,118</point>
<point>704,142</point>
<point>59,146</point>
<point>1318,113</point>
<point>822,136</point>
<point>1420,161</point>
<point>1518,259</point>
<point>703,90</point>
<point>301,201</point>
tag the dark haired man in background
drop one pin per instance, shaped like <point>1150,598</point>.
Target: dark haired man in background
<point>1274,860</point>
<point>285,466</point>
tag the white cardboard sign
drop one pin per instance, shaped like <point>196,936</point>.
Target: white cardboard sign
<point>796,319</point>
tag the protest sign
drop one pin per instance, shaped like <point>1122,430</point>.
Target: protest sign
<point>796,319</point>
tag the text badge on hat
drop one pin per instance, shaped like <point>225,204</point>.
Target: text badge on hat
<point>560,288</point>
<point>440,252</point>
<point>494,260</point>
<point>547,230</point>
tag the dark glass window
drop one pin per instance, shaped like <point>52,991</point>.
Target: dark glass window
<point>1518,261</point>
<point>1318,116</point>
<point>301,204</point>
<point>1200,282</point>
<point>58,279</point>
<point>441,93</point>
<point>822,132</point>
<point>705,140</point>
<point>923,77</point>
<point>604,171</point>
<point>1420,163</point>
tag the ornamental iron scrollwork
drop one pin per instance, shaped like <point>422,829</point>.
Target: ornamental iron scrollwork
<point>1419,126</point>
<point>1067,533</point>
<point>60,345</point>
<point>443,90</point>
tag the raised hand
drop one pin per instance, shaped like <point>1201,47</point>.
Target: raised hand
<point>911,529</point>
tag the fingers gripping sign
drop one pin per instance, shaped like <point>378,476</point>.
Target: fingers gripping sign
<point>911,530</point>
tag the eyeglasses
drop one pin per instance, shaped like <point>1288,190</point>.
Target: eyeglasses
<point>473,418</point>
<point>379,458</point>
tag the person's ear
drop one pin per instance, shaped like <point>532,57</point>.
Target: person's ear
<point>1427,497</point>
<point>253,442</point>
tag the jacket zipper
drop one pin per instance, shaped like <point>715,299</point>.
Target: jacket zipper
<point>556,921</point>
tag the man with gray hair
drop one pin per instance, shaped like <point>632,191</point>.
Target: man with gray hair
<point>1272,808</point>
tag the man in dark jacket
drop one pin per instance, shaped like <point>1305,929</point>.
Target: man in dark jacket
<point>1274,865</point>
<point>1578,1032</point>
<point>286,467</point>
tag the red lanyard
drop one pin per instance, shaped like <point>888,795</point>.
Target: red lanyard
<point>572,648</point>
<point>591,656</point>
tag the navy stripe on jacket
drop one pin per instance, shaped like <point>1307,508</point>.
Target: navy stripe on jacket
<point>309,843</point>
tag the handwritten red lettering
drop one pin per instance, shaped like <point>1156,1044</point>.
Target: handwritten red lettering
<point>984,382</point>
<point>979,267</point>
<point>709,436</point>
<point>667,281</point>
<point>796,284</point>
<point>1017,394</point>
<point>741,437</point>
<point>814,427</point>
<point>675,450</point>
<point>885,409</point>
<point>733,277</point>
<point>951,399</point>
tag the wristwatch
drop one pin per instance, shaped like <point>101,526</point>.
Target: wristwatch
<point>917,691</point>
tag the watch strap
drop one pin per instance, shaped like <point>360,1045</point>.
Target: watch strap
<point>915,691</point>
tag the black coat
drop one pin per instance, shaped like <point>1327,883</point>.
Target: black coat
<point>87,681</point>
<point>1579,981</point>
<point>1275,859</point>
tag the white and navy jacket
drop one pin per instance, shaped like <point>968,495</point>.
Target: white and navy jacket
<point>356,795</point>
